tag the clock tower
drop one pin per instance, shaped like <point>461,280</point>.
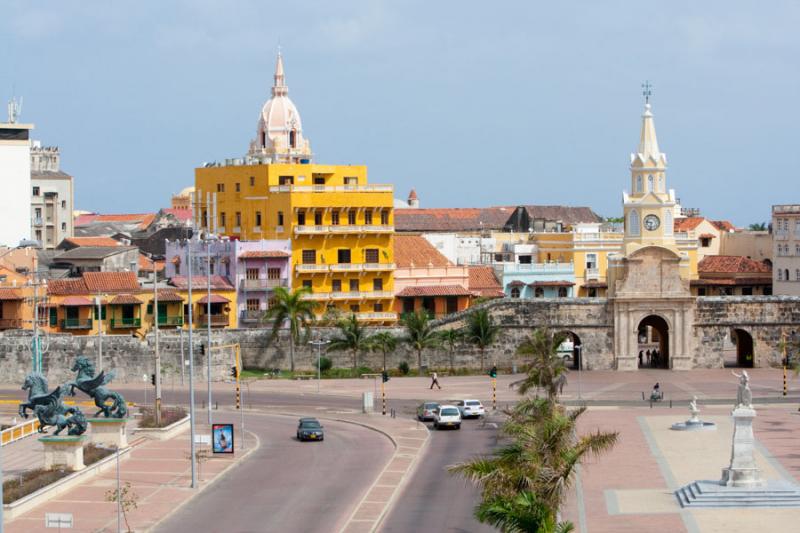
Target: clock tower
<point>649,207</point>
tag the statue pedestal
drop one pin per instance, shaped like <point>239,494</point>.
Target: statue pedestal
<point>743,471</point>
<point>65,452</point>
<point>109,432</point>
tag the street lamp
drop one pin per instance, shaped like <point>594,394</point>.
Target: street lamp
<point>319,344</point>
<point>191,364</point>
<point>580,366</point>
<point>209,238</point>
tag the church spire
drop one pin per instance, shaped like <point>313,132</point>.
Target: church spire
<point>279,88</point>
<point>648,143</point>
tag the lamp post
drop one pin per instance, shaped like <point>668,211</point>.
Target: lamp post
<point>580,366</point>
<point>99,332</point>
<point>209,238</point>
<point>158,353</point>
<point>191,365</point>
<point>319,344</point>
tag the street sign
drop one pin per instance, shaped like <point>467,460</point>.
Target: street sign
<point>58,520</point>
<point>202,439</point>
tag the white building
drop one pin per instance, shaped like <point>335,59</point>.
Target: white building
<point>15,178</point>
<point>51,197</point>
<point>786,255</point>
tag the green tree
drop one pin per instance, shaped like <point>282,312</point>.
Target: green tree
<point>757,226</point>
<point>128,501</point>
<point>481,331</point>
<point>546,370</point>
<point>449,338</point>
<point>352,337</point>
<point>419,333</point>
<point>291,309</point>
<point>383,342</point>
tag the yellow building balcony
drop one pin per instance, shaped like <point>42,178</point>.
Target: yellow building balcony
<point>592,273</point>
<point>262,284</point>
<point>344,295</point>
<point>345,229</point>
<point>311,230</point>
<point>346,267</point>
<point>378,267</point>
<point>317,296</point>
<point>331,188</point>
<point>373,228</point>
<point>375,295</point>
<point>312,269</point>
<point>376,316</point>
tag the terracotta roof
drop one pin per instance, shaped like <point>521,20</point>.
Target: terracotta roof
<point>76,301</point>
<point>723,225</point>
<point>560,283</point>
<point>143,219</point>
<point>416,251</point>
<point>516,283</point>
<point>596,285</point>
<point>111,282</point>
<point>215,299</point>
<point>10,294</point>
<point>483,282</point>
<point>264,254</point>
<point>67,286</point>
<point>184,215</point>
<point>92,241</point>
<point>434,290</point>
<point>168,295</point>
<point>707,236</point>
<point>148,265</point>
<point>730,281</point>
<point>731,264</point>
<point>201,282</point>
<point>125,299</point>
<point>485,218</point>
<point>688,223</point>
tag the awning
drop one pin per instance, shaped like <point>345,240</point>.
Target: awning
<point>561,283</point>
<point>76,301</point>
<point>264,254</point>
<point>596,285</point>
<point>10,294</point>
<point>516,283</point>
<point>125,299</point>
<point>730,282</point>
<point>707,236</point>
<point>166,295</point>
<point>215,299</point>
<point>433,290</point>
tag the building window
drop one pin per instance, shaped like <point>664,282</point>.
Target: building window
<point>592,292</point>
<point>309,257</point>
<point>251,273</point>
<point>317,218</point>
<point>780,273</point>
<point>222,219</point>
<point>669,225</point>
<point>701,291</point>
<point>562,292</point>
<point>220,187</point>
<point>39,235</point>
<point>280,218</point>
<point>258,219</point>
<point>371,255</point>
<point>797,249</point>
<point>238,187</point>
<point>301,218</point>
<point>384,218</point>
<point>307,284</point>
<point>318,180</point>
<point>538,292</point>
<point>252,181</point>
<point>336,285</point>
<point>351,217</point>
<point>377,283</point>
<point>343,256</point>
<point>650,183</point>
<point>638,184</point>
<point>350,181</point>
<point>253,304</point>
<point>705,242</point>
<point>591,260</point>
<point>273,273</point>
<point>515,292</point>
<point>355,308</point>
<point>633,223</point>
<point>211,267</point>
<point>378,308</point>
<point>286,180</point>
<point>36,191</point>
<point>747,291</point>
<point>525,259</point>
<point>63,204</point>
<point>797,274</point>
<point>63,226</point>
<point>354,285</point>
<point>786,274</point>
<point>238,219</point>
<point>335,218</point>
<point>368,217</point>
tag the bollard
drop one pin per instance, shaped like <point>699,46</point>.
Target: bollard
<point>643,398</point>
<point>651,404</point>
<point>670,404</point>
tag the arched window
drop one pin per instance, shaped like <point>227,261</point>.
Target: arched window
<point>797,274</point>
<point>515,292</point>
<point>668,224</point>
<point>538,292</point>
<point>661,184</point>
<point>780,275</point>
<point>638,184</point>
<point>562,292</point>
<point>633,223</point>
<point>786,274</point>
<point>293,139</point>
<point>650,183</point>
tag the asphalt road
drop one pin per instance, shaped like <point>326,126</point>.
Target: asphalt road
<point>434,499</point>
<point>288,485</point>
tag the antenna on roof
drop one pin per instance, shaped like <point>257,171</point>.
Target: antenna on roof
<point>647,91</point>
<point>14,109</point>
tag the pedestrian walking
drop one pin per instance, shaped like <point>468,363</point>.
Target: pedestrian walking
<point>435,380</point>
<point>647,354</point>
<point>641,355</point>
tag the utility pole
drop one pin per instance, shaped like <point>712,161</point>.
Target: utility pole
<point>183,363</point>
<point>97,301</point>
<point>785,361</point>
<point>191,365</point>
<point>319,344</point>
<point>208,322</point>
<point>158,353</point>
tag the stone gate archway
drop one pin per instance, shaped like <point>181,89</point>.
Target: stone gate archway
<point>654,331</point>
<point>745,354</point>
<point>572,360</point>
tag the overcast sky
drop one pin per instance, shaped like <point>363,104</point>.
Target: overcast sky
<point>471,103</point>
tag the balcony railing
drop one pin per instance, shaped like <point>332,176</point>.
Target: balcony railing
<point>10,323</point>
<point>375,294</point>
<point>537,268</point>
<point>76,323</point>
<point>376,267</point>
<point>376,316</point>
<point>278,229</point>
<point>37,221</point>
<point>126,322</point>
<point>346,228</point>
<point>262,284</point>
<point>346,267</point>
<point>317,296</point>
<point>311,268</point>
<point>310,230</point>
<point>252,316</point>
<point>170,320</point>
<point>373,228</point>
<point>216,320</point>
<point>331,188</point>
<point>592,273</point>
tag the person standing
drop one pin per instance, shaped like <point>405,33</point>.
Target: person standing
<point>435,380</point>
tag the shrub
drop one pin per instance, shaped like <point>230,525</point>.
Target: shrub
<point>169,415</point>
<point>325,364</point>
<point>93,453</point>
<point>403,368</point>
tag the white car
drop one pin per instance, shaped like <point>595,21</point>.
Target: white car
<point>447,416</point>
<point>470,408</point>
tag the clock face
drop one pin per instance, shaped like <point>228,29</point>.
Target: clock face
<point>651,222</point>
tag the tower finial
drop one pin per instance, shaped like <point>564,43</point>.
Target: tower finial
<point>279,87</point>
<point>647,91</point>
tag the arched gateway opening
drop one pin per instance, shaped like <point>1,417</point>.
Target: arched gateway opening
<point>571,350</point>
<point>653,343</point>
<point>744,347</point>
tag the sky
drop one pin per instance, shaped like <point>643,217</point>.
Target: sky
<point>470,103</point>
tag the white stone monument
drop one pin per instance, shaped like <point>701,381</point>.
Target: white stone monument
<point>109,432</point>
<point>65,452</point>
<point>742,471</point>
<point>694,423</point>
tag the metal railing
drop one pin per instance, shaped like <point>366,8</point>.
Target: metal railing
<point>311,268</point>
<point>20,431</point>
<point>126,322</point>
<point>76,323</point>
<point>376,316</point>
<point>251,316</point>
<point>369,267</point>
<point>331,188</point>
<point>346,267</point>
<point>592,273</point>
<point>306,230</point>
<point>170,320</point>
<point>262,284</point>
<point>10,323</point>
<point>216,320</point>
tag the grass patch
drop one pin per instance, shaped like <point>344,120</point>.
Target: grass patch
<point>169,415</point>
<point>33,480</point>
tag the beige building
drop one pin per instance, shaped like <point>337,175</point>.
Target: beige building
<point>786,249</point>
<point>51,197</point>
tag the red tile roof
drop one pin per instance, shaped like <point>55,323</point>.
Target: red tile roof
<point>516,283</point>
<point>146,264</point>
<point>264,254</point>
<point>168,295</point>
<point>596,285</point>
<point>707,236</point>
<point>125,299</point>
<point>725,282</point>
<point>559,283</point>
<point>184,215</point>
<point>10,294</point>
<point>215,299</point>
<point>92,241</point>
<point>111,282</point>
<point>67,286</point>
<point>485,218</point>
<point>723,225</point>
<point>415,251</point>
<point>688,223</point>
<point>201,282</point>
<point>76,301</point>
<point>731,264</point>
<point>433,290</point>
<point>483,282</point>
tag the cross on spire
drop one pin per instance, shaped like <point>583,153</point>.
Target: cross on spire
<point>647,91</point>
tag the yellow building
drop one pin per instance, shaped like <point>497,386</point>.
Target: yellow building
<point>341,227</point>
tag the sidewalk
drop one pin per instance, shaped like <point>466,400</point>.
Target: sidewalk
<point>159,473</point>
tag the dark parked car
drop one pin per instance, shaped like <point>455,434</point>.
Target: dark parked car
<point>310,429</point>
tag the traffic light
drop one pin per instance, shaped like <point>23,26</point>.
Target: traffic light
<point>234,372</point>
<point>153,379</point>
<point>493,372</point>
<point>385,376</point>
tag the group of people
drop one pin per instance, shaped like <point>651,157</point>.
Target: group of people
<point>649,358</point>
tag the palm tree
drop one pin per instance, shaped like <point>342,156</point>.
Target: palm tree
<point>293,309</point>
<point>758,226</point>
<point>352,337</point>
<point>450,337</point>
<point>383,342</point>
<point>547,370</point>
<point>419,333</point>
<point>481,331</point>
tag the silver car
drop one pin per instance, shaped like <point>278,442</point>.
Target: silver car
<point>426,411</point>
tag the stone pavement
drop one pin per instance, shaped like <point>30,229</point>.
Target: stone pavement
<point>631,488</point>
<point>159,473</point>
